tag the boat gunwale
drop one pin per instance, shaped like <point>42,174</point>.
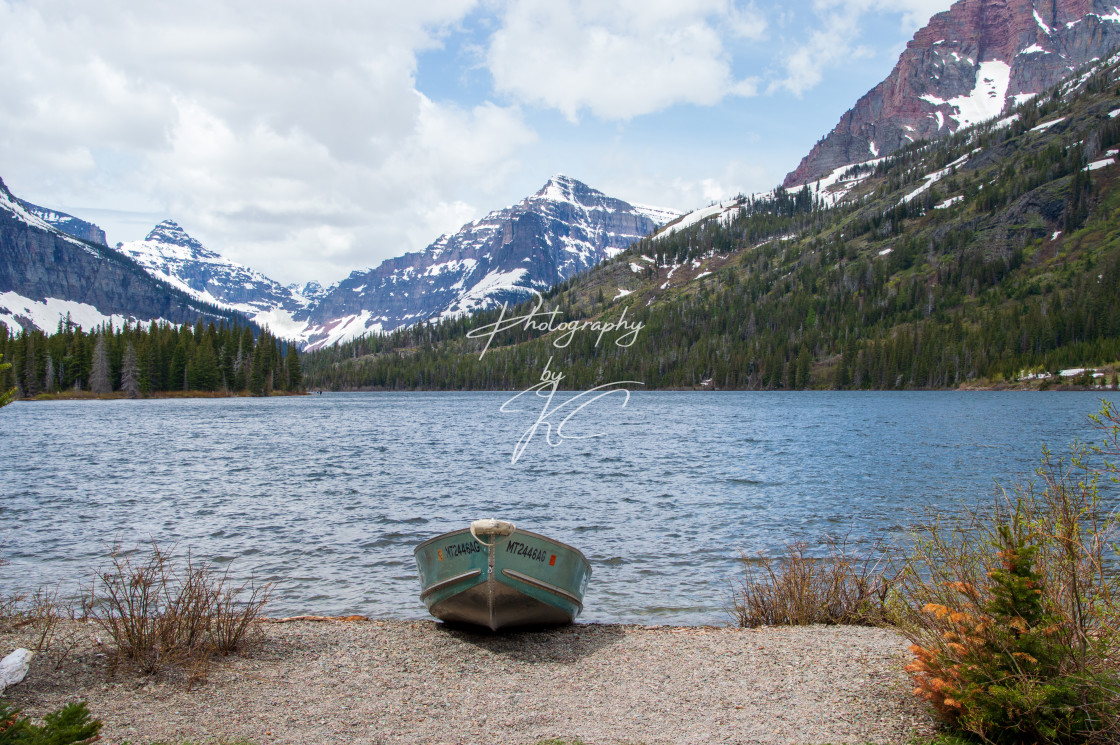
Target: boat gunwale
<point>540,584</point>
<point>450,581</point>
<point>516,531</point>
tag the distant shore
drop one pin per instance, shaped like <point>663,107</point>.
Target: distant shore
<point>121,395</point>
<point>382,681</point>
<point>1031,385</point>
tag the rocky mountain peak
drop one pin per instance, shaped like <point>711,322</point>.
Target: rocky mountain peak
<point>565,228</point>
<point>968,64</point>
<point>561,188</point>
<point>171,233</point>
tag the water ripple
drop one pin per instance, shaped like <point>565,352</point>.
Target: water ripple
<point>327,495</point>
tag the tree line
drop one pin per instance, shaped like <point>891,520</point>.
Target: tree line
<point>143,360</point>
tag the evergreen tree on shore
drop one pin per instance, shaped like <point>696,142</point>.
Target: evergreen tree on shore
<point>130,372</point>
<point>6,396</point>
<point>99,377</point>
<point>143,361</point>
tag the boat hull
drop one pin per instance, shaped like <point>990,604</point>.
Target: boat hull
<point>522,580</point>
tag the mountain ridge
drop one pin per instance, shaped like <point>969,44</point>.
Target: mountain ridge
<point>968,64</point>
<point>564,228</point>
<point>46,275</point>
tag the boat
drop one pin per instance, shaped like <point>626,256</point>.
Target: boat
<point>496,576</point>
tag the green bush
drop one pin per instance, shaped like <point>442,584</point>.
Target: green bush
<point>1013,612</point>
<point>70,725</point>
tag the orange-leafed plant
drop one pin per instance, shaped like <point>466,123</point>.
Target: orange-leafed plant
<point>1012,612</point>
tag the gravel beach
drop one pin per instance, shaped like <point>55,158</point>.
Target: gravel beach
<point>368,681</point>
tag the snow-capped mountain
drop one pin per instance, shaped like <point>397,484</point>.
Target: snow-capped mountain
<point>968,64</point>
<point>171,255</point>
<point>47,275</point>
<point>68,224</point>
<point>311,291</point>
<point>565,228</point>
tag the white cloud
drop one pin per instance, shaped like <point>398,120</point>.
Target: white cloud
<point>834,40</point>
<point>289,136</point>
<point>292,137</point>
<point>620,59</point>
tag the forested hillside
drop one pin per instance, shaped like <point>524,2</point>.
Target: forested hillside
<point>979,258</point>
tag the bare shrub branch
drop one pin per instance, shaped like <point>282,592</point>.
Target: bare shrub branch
<point>159,614</point>
<point>798,590</point>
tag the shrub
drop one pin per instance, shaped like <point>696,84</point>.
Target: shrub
<point>797,590</point>
<point>70,725</point>
<point>158,613</point>
<point>1013,610</point>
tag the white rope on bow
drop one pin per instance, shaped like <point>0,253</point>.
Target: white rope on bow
<point>490,526</point>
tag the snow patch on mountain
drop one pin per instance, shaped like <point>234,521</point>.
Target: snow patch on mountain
<point>932,178</point>
<point>17,311</point>
<point>985,101</point>
<point>1041,23</point>
<point>691,218</point>
<point>170,254</point>
<point>659,215</point>
<point>16,207</point>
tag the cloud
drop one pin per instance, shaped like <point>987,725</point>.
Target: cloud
<point>295,137</point>
<point>833,41</point>
<point>622,59</point>
<point>288,136</point>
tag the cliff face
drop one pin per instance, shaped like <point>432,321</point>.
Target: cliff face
<point>68,224</point>
<point>969,64</point>
<point>564,229</point>
<point>45,272</point>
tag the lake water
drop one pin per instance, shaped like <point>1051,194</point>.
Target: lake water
<point>327,495</point>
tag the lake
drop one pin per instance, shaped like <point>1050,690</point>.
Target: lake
<point>327,495</point>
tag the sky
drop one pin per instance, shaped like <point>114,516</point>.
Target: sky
<point>307,140</point>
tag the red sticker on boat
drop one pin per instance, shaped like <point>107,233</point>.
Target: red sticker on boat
<point>552,561</point>
<point>440,552</point>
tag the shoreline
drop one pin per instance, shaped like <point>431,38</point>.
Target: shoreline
<point>122,396</point>
<point>386,681</point>
<point>964,388</point>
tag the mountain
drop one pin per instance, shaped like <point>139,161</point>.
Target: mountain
<point>988,257</point>
<point>170,254</point>
<point>47,275</point>
<point>968,64</point>
<point>564,229</point>
<point>68,224</point>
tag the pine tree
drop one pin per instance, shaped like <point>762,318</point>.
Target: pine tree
<point>48,377</point>
<point>30,377</point>
<point>295,372</point>
<point>130,372</point>
<point>6,396</point>
<point>203,368</point>
<point>260,371</point>
<point>99,376</point>
<point>177,375</point>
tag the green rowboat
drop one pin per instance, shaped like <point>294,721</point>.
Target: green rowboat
<point>494,575</point>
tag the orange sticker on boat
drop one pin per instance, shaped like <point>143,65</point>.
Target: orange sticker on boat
<point>552,561</point>
<point>440,552</point>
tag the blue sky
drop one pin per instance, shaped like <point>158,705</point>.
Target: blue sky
<point>309,140</point>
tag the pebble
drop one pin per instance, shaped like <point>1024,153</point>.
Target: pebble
<point>404,682</point>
